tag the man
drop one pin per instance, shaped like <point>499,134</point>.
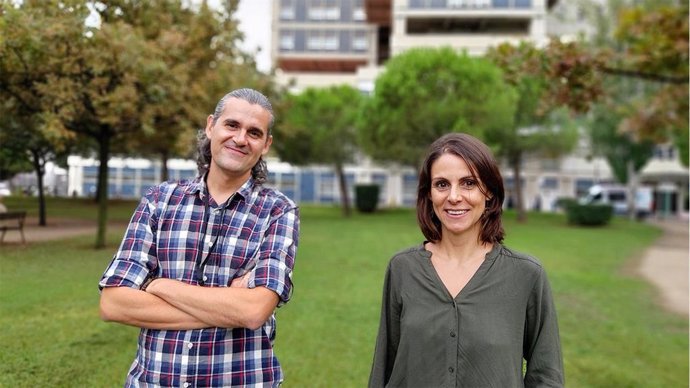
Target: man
<point>204,263</point>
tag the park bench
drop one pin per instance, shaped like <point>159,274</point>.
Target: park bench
<point>13,220</point>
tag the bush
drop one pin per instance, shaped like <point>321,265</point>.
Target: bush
<point>366,197</point>
<point>562,203</point>
<point>589,215</point>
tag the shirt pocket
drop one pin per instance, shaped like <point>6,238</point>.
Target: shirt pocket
<point>237,254</point>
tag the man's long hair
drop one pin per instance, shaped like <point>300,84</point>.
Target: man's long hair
<point>203,161</point>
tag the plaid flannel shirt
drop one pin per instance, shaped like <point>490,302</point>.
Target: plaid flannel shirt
<point>255,230</point>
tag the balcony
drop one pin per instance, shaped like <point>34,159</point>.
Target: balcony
<point>474,4</point>
<point>320,65</point>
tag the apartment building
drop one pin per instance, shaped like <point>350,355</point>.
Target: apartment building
<point>321,42</point>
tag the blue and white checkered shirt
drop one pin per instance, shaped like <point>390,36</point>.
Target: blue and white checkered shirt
<point>256,229</point>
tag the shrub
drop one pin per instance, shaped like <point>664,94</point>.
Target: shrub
<point>589,215</point>
<point>562,203</point>
<point>366,197</point>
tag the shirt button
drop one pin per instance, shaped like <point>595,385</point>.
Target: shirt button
<point>190,345</point>
<point>210,243</point>
<point>185,385</point>
<point>451,370</point>
<point>452,334</point>
<point>205,278</point>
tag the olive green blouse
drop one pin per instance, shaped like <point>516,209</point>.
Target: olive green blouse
<point>503,315</point>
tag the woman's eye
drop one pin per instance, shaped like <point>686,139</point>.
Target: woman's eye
<point>441,185</point>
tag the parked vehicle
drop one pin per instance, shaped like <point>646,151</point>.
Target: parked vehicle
<point>617,196</point>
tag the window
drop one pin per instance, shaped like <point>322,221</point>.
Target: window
<point>324,10</point>
<point>549,183</point>
<point>287,10</point>
<point>469,3</point>
<point>327,188</point>
<point>359,41</point>
<point>287,40</point>
<point>323,41</point>
<point>358,13</point>
<point>582,186</point>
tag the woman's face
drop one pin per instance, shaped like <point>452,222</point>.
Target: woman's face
<point>456,197</point>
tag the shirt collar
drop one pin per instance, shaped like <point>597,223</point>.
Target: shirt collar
<point>198,186</point>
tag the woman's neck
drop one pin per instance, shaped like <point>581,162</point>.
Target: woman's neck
<point>462,248</point>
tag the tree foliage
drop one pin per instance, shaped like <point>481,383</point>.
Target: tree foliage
<point>318,125</point>
<point>136,81</point>
<point>646,42</point>
<point>427,92</point>
<point>550,82</point>
<point>655,41</point>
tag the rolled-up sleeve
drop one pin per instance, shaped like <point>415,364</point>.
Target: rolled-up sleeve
<point>136,257</point>
<point>277,255</point>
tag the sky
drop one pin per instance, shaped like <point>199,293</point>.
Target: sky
<point>255,22</point>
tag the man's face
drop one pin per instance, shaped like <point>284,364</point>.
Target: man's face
<point>238,138</point>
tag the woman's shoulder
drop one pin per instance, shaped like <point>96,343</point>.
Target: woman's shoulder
<point>408,255</point>
<point>520,259</point>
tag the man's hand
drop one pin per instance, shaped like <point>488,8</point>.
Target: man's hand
<point>242,281</point>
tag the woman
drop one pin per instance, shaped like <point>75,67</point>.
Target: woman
<point>461,309</point>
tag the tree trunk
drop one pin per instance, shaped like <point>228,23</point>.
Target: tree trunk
<point>342,183</point>
<point>632,189</point>
<point>39,166</point>
<point>516,159</point>
<point>164,166</point>
<point>103,155</point>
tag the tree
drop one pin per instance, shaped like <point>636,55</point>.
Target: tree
<point>319,126</point>
<point>550,82</point>
<point>655,43</point>
<point>646,42</point>
<point>622,152</point>
<point>644,51</point>
<point>198,49</point>
<point>120,80</point>
<point>24,70</point>
<point>425,93</point>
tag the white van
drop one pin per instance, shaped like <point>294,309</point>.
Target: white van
<point>617,196</point>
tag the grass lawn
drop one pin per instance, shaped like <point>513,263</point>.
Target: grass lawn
<point>613,335</point>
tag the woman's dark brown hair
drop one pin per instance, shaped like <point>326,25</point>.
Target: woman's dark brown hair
<point>484,168</point>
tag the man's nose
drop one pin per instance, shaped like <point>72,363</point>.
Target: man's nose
<point>241,137</point>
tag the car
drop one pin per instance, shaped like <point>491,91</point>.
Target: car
<point>616,196</point>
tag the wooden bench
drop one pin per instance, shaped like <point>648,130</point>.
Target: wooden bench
<point>12,221</point>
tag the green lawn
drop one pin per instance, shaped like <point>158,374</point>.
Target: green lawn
<point>613,335</point>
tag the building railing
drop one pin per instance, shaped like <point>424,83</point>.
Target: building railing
<point>469,4</point>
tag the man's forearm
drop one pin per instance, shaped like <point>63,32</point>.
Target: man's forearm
<point>141,309</point>
<point>228,307</point>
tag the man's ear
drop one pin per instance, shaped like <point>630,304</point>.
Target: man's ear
<point>209,126</point>
<point>267,146</point>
